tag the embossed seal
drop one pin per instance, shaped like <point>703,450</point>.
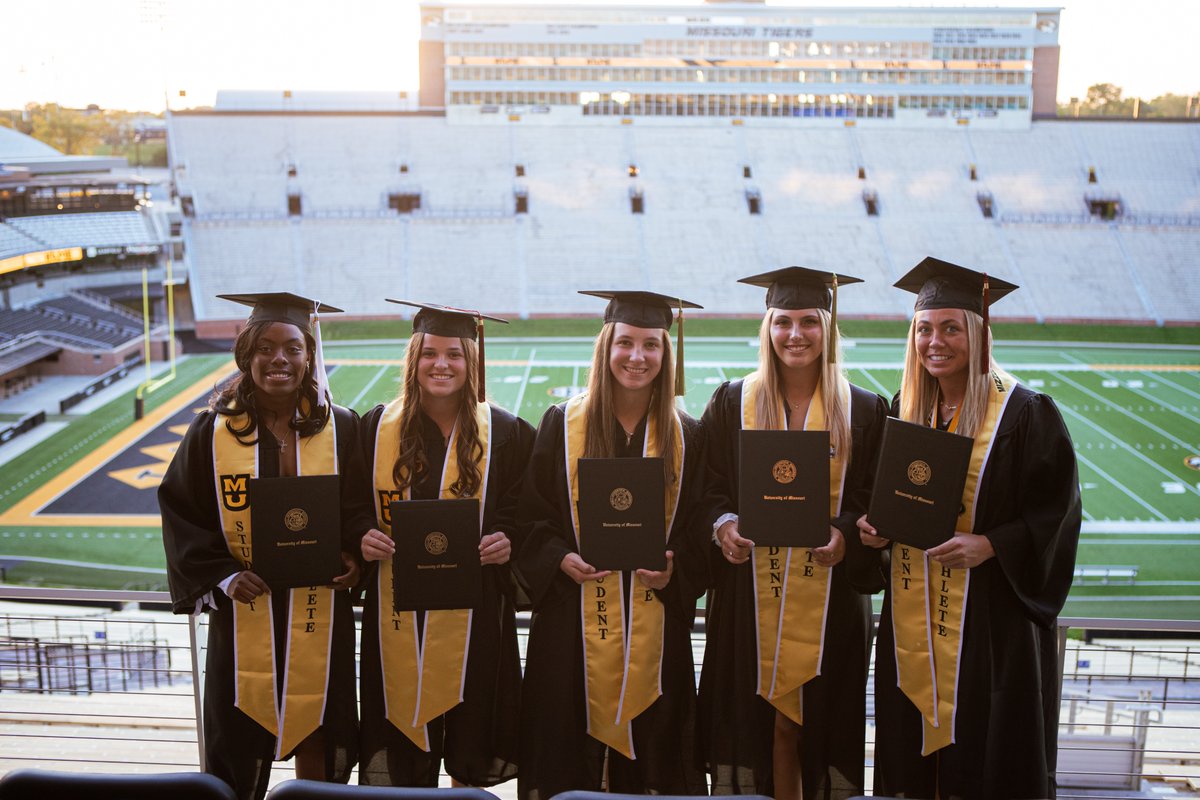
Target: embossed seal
<point>621,498</point>
<point>919,473</point>
<point>296,519</point>
<point>436,543</point>
<point>784,471</point>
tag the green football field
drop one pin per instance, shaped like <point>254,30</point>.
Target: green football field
<point>1133,412</point>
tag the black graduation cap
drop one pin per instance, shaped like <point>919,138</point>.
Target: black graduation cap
<point>460,323</point>
<point>292,309</point>
<point>940,284</point>
<point>281,307</point>
<point>648,310</point>
<point>794,288</point>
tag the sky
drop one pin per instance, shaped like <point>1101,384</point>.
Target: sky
<point>132,54</point>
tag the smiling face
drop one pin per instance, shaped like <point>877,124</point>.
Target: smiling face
<point>636,356</point>
<point>280,360</point>
<point>442,366</point>
<point>940,337</point>
<point>797,337</point>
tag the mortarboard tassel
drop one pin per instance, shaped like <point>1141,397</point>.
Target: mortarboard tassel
<point>680,384</point>
<point>324,394</point>
<point>985,361</point>
<point>482,371</point>
<point>833,342</point>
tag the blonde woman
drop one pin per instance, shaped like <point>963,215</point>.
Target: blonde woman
<point>609,691</point>
<point>762,733</point>
<point>981,607</point>
<point>440,439</point>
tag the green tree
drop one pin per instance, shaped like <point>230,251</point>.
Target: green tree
<point>68,130</point>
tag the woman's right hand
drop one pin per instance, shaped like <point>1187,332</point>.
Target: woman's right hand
<point>869,536</point>
<point>377,545</point>
<point>579,570</point>
<point>734,547</point>
<point>246,586</point>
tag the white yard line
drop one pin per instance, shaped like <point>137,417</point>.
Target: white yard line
<point>370,385</point>
<point>1123,488</point>
<point>524,381</point>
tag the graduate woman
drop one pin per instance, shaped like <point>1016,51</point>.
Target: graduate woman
<point>442,686</point>
<point>279,678</point>
<point>782,691</point>
<point>609,690</point>
<point>966,686</point>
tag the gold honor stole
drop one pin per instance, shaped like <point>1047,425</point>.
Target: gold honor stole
<point>310,610</point>
<point>623,668</point>
<point>423,677</point>
<point>791,590</point>
<point>929,600</point>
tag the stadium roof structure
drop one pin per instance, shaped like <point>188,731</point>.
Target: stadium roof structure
<point>287,100</point>
<point>24,156</point>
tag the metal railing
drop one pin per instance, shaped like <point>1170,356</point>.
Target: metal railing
<point>97,688</point>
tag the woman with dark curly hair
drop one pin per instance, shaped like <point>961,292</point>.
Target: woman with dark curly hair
<point>279,678</point>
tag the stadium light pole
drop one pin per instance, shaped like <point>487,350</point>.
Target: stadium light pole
<point>149,384</point>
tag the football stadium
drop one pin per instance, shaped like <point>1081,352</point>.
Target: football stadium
<point>559,148</point>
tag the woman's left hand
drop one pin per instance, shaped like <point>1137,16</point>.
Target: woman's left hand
<point>658,580</point>
<point>349,579</point>
<point>495,548</point>
<point>963,551</point>
<point>831,554</point>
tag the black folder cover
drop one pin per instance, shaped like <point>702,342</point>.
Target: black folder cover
<point>436,564</point>
<point>296,530</point>
<point>783,493</point>
<point>621,513</point>
<point>919,483</point>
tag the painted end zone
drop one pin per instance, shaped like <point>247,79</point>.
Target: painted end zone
<point>116,485</point>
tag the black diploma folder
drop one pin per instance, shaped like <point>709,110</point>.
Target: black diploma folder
<point>296,530</point>
<point>436,564</point>
<point>783,492</point>
<point>919,484</point>
<point>622,524</point>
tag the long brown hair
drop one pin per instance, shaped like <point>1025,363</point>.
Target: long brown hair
<point>237,397</point>
<point>601,410</point>
<point>412,464</point>
<point>919,389</point>
<point>770,399</point>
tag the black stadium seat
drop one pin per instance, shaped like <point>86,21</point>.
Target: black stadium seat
<point>38,784</point>
<point>580,795</point>
<point>316,790</point>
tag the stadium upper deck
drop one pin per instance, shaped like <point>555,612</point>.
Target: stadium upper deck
<point>898,67</point>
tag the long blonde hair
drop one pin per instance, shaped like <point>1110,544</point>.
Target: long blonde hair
<point>412,464</point>
<point>601,409</point>
<point>919,389</point>
<point>770,399</point>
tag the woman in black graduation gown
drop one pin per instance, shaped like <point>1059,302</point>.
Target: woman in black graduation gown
<point>995,588</point>
<point>440,439</point>
<point>789,723</point>
<point>590,717</point>
<point>273,419</point>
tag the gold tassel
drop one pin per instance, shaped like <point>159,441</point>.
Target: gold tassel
<point>482,369</point>
<point>833,329</point>
<point>680,384</point>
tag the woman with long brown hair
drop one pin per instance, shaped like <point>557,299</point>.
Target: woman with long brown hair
<point>609,690</point>
<point>966,673</point>
<point>271,689</point>
<point>440,439</point>
<point>779,612</point>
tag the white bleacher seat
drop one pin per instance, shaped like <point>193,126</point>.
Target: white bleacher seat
<point>15,242</point>
<point>100,229</point>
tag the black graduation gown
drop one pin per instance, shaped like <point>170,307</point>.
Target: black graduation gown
<point>557,754</point>
<point>1006,726</point>
<point>237,749</point>
<point>736,726</point>
<point>477,739</point>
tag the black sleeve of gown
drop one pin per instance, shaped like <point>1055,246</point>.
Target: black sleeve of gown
<point>720,486</point>
<point>1036,547</point>
<point>197,556</point>
<point>513,458</point>
<point>863,564</point>
<point>544,536</point>
<point>358,509</point>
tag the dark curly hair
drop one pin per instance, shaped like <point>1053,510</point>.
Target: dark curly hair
<point>237,397</point>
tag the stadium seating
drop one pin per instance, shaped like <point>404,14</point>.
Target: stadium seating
<point>697,232</point>
<point>105,229</point>
<point>14,242</point>
<point>37,784</point>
